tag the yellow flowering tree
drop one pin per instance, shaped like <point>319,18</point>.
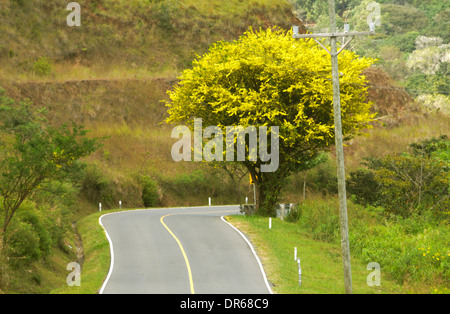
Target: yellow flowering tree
<point>266,78</point>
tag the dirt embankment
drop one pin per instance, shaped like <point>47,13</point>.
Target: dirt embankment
<point>88,102</point>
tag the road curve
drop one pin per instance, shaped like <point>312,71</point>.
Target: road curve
<point>180,251</point>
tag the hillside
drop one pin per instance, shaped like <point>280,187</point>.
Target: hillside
<point>111,74</point>
<point>122,38</point>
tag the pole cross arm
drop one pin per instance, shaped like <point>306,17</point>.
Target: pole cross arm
<point>296,35</point>
<point>346,34</point>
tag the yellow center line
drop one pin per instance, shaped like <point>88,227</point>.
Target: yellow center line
<point>188,266</point>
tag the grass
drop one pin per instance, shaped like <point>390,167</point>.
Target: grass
<point>96,257</point>
<point>39,277</point>
<point>122,39</point>
<point>395,139</point>
<point>321,262</point>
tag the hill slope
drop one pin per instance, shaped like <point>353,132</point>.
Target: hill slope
<point>137,38</point>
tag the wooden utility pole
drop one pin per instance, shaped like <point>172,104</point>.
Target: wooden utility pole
<point>333,35</point>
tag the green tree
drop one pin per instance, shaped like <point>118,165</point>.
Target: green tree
<point>413,184</point>
<point>32,153</point>
<point>407,183</point>
<point>266,78</point>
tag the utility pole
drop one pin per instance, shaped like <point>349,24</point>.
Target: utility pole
<point>333,35</point>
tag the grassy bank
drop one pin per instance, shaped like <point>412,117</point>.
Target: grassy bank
<point>96,257</point>
<point>321,261</point>
<point>413,252</point>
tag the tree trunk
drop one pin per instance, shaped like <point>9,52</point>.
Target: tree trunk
<point>304,185</point>
<point>268,186</point>
<point>267,196</point>
<point>3,265</point>
<point>259,197</point>
<point>1,244</point>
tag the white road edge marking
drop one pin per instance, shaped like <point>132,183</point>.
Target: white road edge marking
<point>254,253</point>
<point>111,250</point>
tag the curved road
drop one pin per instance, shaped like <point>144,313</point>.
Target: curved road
<point>180,250</point>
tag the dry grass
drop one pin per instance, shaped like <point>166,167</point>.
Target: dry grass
<point>382,140</point>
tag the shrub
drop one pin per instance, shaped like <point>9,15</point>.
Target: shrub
<point>364,187</point>
<point>165,15</point>
<point>55,203</point>
<point>322,178</point>
<point>407,183</point>
<point>23,244</point>
<point>35,220</point>
<point>96,187</point>
<point>194,182</point>
<point>30,236</point>
<point>320,218</point>
<point>42,66</point>
<point>294,214</point>
<point>150,194</point>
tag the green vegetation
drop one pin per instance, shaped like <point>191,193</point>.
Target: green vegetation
<point>150,192</point>
<point>413,252</point>
<point>34,153</point>
<point>396,243</point>
<point>111,74</point>
<point>320,261</point>
<point>37,161</point>
<point>407,183</point>
<point>412,42</point>
<point>96,257</point>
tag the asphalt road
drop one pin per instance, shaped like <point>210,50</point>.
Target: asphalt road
<point>180,251</point>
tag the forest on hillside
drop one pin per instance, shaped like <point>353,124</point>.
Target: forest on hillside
<point>412,42</point>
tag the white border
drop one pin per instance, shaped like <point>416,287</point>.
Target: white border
<point>111,250</point>
<point>254,253</point>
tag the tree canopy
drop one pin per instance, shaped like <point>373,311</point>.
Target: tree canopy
<point>266,78</point>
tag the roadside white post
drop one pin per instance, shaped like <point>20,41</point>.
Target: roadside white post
<point>295,253</point>
<point>299,273</point>
<point>246,200</point>
<point>270,223</point>
<point>120,204</point>
<point>99,207</point>
<point>209,201</point>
